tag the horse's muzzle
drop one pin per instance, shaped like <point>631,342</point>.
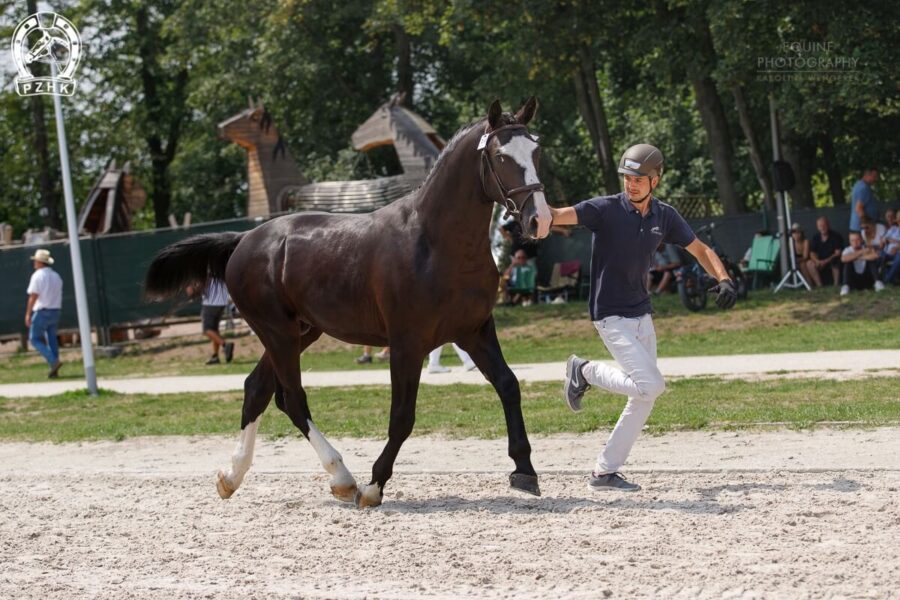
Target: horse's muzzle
<point>536,217</point>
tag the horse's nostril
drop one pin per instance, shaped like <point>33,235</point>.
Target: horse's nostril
<point>533,223</point>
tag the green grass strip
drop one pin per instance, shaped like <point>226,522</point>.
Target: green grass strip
<point>456,410</point>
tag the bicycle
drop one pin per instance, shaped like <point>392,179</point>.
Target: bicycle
<point>694,283</point>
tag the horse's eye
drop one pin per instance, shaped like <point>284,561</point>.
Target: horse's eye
<point>500,157</point>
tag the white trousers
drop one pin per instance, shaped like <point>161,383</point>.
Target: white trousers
<point>434,357</point>
<point>632,343</point>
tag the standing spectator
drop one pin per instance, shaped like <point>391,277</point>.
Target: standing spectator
<point>825,252</point>
<point>863,200</point>
<point>43,308</point>
<point>215,299</point>
<point>859,266</point>
<point>366,357</point>
<point>434,360</point>
<point>801,253</point>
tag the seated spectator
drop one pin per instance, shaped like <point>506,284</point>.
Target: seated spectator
<point>825,252</point>
<point>859,266</point>
<point>889,260</point>
<point>872,233</point>
<point>801,254</point>
<point>519,277</point>
<point>662,271</point>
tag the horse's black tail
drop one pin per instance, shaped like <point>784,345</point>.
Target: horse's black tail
<point>190,262</point>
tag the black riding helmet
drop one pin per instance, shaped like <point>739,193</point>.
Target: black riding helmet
<point>642,160</point>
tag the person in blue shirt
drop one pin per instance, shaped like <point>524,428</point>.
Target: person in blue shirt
<point>863,202</point>
<point>627,228</point>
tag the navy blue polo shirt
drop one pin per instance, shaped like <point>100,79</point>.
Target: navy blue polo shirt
<point>622,250</point>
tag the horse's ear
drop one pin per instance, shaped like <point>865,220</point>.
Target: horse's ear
<point>526,113</point>
<point>494,114</point>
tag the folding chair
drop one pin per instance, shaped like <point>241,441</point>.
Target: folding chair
<point>763,258</point>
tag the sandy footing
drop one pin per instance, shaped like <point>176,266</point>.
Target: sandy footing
<point>737,515</point>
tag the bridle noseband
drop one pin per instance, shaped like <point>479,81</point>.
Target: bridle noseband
<point>506,200</point>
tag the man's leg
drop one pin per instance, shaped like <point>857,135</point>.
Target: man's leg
<point>53,341</point>
<point>434,361</point>
<point>38,336</point>
<point>893,271</point>
<point>632,343</point>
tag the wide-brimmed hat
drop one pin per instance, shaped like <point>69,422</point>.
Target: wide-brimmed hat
<point>43,256</point>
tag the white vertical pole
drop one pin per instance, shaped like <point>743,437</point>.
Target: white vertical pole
<point>781,196</point>
<point>84,323</point>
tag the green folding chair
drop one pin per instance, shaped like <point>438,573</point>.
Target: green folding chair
<point>763,258</point>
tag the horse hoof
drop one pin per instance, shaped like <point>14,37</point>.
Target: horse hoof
<point>345,492</point>
<point>525,483</point>
<point>369,497</point>
<point>224,488</point>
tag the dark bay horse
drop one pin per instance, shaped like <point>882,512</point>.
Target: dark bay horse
<point>413,275</point>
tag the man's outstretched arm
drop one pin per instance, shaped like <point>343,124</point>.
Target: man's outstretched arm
<point>564,216</point>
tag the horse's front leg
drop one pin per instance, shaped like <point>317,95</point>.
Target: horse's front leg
<point>484,348</point>
<point>406,368</point>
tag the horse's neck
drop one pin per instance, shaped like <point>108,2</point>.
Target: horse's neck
<point>453,208</point>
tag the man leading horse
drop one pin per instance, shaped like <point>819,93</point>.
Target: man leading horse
<point>627,228</point>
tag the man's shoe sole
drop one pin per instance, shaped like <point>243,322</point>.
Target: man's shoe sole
<point>607,488</point>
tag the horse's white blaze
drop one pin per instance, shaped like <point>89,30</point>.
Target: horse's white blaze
<point>330,457</point>
<point>521,149</point>
<point>243,454</point>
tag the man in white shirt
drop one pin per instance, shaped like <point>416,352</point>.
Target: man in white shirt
<point>43,308</point>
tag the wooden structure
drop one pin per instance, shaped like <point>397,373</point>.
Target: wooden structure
<point>114,198</point>
<point>277,184</point>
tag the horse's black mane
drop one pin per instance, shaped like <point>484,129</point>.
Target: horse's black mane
<point>505,119</point>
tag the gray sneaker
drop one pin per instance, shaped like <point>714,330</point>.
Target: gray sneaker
<point>575,386</point>
<point>611,481</point>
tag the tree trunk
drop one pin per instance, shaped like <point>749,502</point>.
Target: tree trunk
<point>404,66</point>
<point>756,156</point>
<point>712,115</point>
<point>604,142</point>
<point>49,198</point>
<point>801,154</point>
<point>590,106</point>
<point>832,169</point>
<point>158,110</point>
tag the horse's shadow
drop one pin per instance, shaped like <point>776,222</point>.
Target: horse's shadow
<point>517,505</point>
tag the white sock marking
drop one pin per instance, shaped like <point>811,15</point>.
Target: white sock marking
<point>243,454</point>
<point>330,457</point>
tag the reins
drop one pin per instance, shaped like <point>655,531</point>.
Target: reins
<point>506,200</point>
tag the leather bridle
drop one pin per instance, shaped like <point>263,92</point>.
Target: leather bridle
<point>506,201</point>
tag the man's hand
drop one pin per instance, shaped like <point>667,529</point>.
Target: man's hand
<point>28,320</point>
<point>727,293</point>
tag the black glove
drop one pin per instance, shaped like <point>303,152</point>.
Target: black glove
<point>727,293</point>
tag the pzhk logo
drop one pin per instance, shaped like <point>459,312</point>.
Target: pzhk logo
<point>48,38</point>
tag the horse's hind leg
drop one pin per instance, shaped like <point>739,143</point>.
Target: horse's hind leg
<point>258,389</point>
<point>287,349</point>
